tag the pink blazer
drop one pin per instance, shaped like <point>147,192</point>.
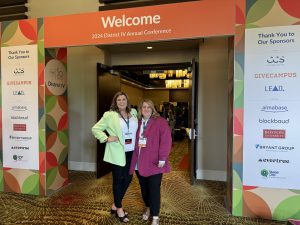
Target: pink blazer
<point>159,144</point>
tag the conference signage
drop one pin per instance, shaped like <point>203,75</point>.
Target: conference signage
<point>272,107</point>
<point>151,23</point>
<point>19,70</point>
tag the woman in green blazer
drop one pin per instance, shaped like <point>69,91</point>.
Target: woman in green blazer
<point>121,124</point>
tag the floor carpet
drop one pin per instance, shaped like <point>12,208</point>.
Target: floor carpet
<point>87,200</point>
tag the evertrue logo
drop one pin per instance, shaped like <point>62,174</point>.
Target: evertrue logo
<point>125,21</point>
<point>273,160</point>
<point>274,108</point>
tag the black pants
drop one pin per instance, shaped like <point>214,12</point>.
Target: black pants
<point>150,188</point>
<point>121,180</point>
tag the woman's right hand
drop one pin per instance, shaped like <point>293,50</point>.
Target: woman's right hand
<point>112,139</point>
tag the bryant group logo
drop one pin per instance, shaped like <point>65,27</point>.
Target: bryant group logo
<point>274,88</point>
<point>274,108</point>
<point>287,121</point>
<point>274,160</point>
<point>277,148</point>
<point>269,173</point>
<point>269,133</point>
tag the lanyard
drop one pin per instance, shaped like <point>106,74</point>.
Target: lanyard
<point>126,121</point>
<point>145,122</point>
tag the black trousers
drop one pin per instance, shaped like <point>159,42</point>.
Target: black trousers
<point>150,188</point>
<point>121,180</point>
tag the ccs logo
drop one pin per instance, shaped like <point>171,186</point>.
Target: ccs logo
<point>276,60</point>
<point>274,88</point>
<point>17,157</point>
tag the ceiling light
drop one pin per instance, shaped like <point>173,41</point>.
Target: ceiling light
<point>149,47</point>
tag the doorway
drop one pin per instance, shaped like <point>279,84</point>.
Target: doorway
<point>169,87</point>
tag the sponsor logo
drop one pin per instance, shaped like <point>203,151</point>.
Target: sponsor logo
<point>18,71</point>
<point>274,160</point>
<point>19,127</point>
<point>274,147</point>
<point>265,173</point>
<point>125,21</point>
<point>20,138</point>
<point>274,108</point>
<point>17,157</point>
<point>274,75</point>
<point>19,117</point>
<point>269,133</point>
<point>19,148</point>
<point>287,121</point>
<point>18,92</point>
<point>275,59</point>
<point>274,88</point>
<point>19,82</point>
<point>19,108</point>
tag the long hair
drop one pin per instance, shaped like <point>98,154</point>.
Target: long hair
<point>151,104</point>
<point>114,106</point>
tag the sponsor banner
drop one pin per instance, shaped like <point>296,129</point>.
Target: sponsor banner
<point>19,70</point>
<point>272,107</point>
<point>151,23</point>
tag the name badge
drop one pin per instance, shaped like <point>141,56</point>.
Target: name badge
<point>142,142</point>
<point>128,138</point>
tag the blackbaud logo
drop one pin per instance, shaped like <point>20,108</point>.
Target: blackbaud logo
<point>274,160</point>
<point>19,117</point>
<point>287,121</point>
<point>274,108</point>
<point>278,148</point>
<point>125,21</point>
<point>274,88</point>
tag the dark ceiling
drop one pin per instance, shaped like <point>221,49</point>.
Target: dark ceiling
<point>136,73</point>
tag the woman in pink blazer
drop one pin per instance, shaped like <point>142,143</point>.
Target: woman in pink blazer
<point>150,157</point>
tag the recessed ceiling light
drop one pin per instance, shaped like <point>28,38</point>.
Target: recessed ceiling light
<point>149,47</point>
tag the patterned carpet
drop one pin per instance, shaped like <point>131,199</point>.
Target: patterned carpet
<point>87,200</point>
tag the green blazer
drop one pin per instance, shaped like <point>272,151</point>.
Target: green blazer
<point>110,122</point>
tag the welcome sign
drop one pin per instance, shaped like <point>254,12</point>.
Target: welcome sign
<point>151,23</point>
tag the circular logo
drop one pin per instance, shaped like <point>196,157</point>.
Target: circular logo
<point>56,77</point>
<point>264,173</point>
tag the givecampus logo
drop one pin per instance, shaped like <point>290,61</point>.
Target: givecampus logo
<point>273,160</point>
<point>274,75</point>
<point>270,133</point>
<point>274,108</point>
<point>274,147</point>
<point>287,121</point>
<point>274,88</point>
<point>125,21</point>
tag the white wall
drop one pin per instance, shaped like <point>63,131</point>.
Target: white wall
<point>212,109</point>
<point>43,8</point>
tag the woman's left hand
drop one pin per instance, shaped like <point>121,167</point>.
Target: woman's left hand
<point>161,164</point>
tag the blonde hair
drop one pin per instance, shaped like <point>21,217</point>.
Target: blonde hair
<point>151,104</point>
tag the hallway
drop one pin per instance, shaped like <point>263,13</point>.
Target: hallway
<point>87,200</point>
